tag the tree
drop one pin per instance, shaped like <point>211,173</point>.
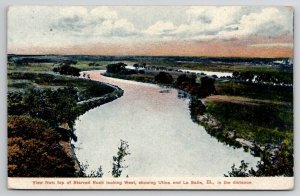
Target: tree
<point>54,106</point>
<point>65,68</point>
<point>207,86</point>
<point>15,105</point>
<point>241,171</point>
<point>116,67</point>
<point>278,164</point>
<point>136,66</point>
<point>118,165</point>
<point>186,80</point>
<point>55,69</point>
<point>164,77</point>
<point>196,108</point>
<point>34,150</point>
<point>69,70</point>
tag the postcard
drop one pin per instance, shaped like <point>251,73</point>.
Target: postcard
<point>150,97</point>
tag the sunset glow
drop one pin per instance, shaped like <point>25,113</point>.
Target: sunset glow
<point>177,31</point>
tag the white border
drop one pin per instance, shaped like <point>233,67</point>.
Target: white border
<point>150,183</point>
<point>3,85</point>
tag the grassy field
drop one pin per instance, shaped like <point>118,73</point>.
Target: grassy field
<point>22,81</point>
<point>262,121</point>
<point>255,91</point>
<point>47,67</point>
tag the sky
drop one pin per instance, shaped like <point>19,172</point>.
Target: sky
<point>237,31</point>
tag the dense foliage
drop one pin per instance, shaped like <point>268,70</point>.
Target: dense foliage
<point>66,69</point>
<point>37,122</point>
<point>277,77</point>
<point>34,150</point>
<point>281,163</point>
<point>267,120</point>
<point>116,67</point>
<point>264,123</point>
<point>164,78</point>
<point>188,83</point>
<point>54,106</point>
<point>255,90</point>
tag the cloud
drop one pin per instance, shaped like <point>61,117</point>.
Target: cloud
<point>99,21</point>
<point>161,28</point>
<point>80,26</point>
<point>213,18</point>
<point>202,21</point>
<point>270,21</point>
<point>227,22</point>
<point>118,28</point>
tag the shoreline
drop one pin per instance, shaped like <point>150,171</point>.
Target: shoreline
<point>84,107</point>
<point>215,129</point>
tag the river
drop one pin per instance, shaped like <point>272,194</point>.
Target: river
<point>163,140</point>
<point>208,73</point>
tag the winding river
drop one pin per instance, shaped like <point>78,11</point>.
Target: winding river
<point>163,140</point>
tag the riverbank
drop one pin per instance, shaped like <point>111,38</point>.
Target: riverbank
<point>85,106</point>
<point>255,116</point>
<point>211,125</point>
<point>43,101</point>
<point>155,120</point>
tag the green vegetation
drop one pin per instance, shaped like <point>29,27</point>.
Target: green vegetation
<point>42,109</point>
<point>261,114</point>
<point>280,163</point>
<point>255,90</point>
<point>116,68</point>
<point>273,76</point>
<point>186,82</point>
<point>263,123</point>
<point>257,112</point>
<point>67,70</point>
<point>139,77</point>
<point>189,84</point>
<point>250,111</point>
<point>254,107</point>
<point>164,78</point>
<point>54,106</point>
<point>34,64</point>
<point>23,81</point>
<point>118,164</point>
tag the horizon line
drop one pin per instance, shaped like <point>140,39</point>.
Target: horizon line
<point>150,56</point>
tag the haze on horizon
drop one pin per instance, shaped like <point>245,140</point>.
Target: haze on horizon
<point>239,31</point>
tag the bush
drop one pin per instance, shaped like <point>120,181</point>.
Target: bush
<point>184,78</point>
<point>69,70</point>
<point>207,86</point>
<point>28,128</point>
<point>164,78</point>
<point>34,150</point>
<point>279,164</point>
<point>116,68</point>
<point>35,158</point>
<point>141,71</point>
<point>188,84</point>
<point>54,106</point>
